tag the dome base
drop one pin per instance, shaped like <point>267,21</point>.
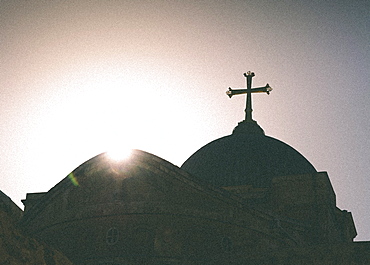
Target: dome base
<point>250,127</point>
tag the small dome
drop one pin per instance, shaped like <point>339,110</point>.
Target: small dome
<point>246,158</point>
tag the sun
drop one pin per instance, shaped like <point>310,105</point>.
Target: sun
<point>112,110</point>
<point>119,154</point>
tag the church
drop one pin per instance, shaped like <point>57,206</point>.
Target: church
<point>245,198</point>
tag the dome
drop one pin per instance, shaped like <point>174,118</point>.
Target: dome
<point>246,157</point>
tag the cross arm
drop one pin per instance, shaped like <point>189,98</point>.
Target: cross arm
<point>266,89</point>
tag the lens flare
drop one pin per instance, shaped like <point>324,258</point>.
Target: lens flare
<point>73,179</point>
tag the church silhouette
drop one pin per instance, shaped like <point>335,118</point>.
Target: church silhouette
<point>245,198</point>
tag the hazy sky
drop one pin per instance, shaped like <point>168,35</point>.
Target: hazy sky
<point>79,77</point>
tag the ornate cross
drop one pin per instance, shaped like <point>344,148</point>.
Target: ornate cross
<point>249,90</point>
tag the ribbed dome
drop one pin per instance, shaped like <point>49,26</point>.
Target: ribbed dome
<point>246,158</point>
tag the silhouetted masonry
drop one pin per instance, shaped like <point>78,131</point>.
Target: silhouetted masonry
<point>245,198</point>
<point>15,246</point>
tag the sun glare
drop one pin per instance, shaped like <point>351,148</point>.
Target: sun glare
<point>111,110</point>
<point>119,154</point>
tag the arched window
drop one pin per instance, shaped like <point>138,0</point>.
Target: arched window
<point>112,236</point>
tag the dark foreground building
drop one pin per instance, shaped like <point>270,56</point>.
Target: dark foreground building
<point>242,199</point>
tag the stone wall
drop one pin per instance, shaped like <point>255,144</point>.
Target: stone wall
<point>15,247</point>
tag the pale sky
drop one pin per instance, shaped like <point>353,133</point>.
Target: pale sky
<point>80,77</point>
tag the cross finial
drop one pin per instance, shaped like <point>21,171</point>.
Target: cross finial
<point>249,90</point>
